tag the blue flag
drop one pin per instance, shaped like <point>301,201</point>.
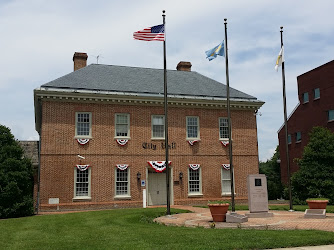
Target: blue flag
<point>218,50</point>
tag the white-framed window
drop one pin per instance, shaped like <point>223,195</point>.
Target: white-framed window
<point>316,93</point>
<point>122,183</point>
<point>226,181</point>
<point>305,97</point>
<point>158,126</point>
<point>194,182</point>
<point>331,115</point>
<point>192,127</point>
<point>82,186</point>
<point>223,128</point>
<point>298,136</point>
<point>122,125</point>
<point>83,124</point>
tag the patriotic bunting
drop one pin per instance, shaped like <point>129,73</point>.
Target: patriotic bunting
<point>122,166</point>
<point>122,142</point>
<point>225,143</point>
<point>82,167</point>
<point>158,166</point>
<point>226,166</point>
<point>194,166</point>
<point>192,142</point>
<point>83,141</point>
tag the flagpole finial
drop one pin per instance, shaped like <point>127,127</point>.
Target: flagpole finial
<point>163,12</point>
<point>281,28</point>
<point>225,19</point>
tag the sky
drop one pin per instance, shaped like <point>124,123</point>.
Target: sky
<point>39,38</point>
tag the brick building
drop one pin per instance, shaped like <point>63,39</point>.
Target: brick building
<point>101,129</point>
<point>315,108</point>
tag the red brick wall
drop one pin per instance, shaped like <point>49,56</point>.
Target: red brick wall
<point>59,151</point>
<point>308,115</point>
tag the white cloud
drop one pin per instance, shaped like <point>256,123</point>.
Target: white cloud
<point>39,38</point>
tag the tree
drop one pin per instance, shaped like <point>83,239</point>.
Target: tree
<point>315,177</point>
<point>16,178</point>
<point>271,168</point>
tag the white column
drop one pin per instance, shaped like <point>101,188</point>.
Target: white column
<point>144,198</point>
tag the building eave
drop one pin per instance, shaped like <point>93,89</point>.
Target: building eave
<point>293,111</point>
<point>126,98</point>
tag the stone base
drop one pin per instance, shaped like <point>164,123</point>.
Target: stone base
<point>259,215</point>
<point>233,217</point>
<point>315,213</point>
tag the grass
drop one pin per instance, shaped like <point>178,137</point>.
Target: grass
<point>135,229</point>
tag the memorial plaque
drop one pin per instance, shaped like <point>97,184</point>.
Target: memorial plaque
<point>257,193</point>
<point>54,201</point>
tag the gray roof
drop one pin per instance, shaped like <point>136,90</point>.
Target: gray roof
<point>113,78</point>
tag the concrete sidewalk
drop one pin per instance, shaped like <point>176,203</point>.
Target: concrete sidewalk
<point>281,220</point>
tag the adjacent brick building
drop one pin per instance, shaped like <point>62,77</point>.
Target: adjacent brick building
<point>101,129</point>
<point>315,108</point>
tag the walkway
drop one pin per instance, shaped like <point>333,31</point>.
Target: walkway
<point>281,220</point>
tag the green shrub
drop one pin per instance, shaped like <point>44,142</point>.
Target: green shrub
<point>315,177</point>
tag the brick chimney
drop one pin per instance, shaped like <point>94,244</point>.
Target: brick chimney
<point>184,66</point>
<point>80,60</point>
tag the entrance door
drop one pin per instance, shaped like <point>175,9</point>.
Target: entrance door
<point>157,190</point>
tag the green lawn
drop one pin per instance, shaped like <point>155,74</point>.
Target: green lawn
<point>134,229</point>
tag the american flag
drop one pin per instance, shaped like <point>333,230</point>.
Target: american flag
<point>155,33</point>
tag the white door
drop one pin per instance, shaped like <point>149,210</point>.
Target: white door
<point>157,190</point>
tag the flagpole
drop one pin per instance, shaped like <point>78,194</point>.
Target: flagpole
<point>229,119</point>
<point>166,118</point>
<point>286,125</point>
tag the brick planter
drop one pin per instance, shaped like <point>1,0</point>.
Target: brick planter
<point>317,204</point>
<point>218,211</point>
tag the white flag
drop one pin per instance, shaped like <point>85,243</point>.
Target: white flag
<point>280,58</point>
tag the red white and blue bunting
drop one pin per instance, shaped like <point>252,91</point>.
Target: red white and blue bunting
<point>194,166</point>
<point>192,142</point>
<point>82,167</point>
<point>122,142</point>
<point>225,143</point>
<point>83,141</point>
<point>226,166</point>
<point>158,166</point>
<point>122,166</point>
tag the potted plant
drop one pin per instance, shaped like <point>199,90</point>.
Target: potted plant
<point>218,210</point>
<point>317,203</point>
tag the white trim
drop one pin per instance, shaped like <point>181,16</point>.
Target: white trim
<point>293,111</point>
<point>198,129</point>
<point>143,98</point>
<point>127,98</point>
<point>123,196</point>
<point>128,125</point>
<point>225,138</point>
<point>89,136</point>
<point>195,194</point>
<point>221,181</point>
<point>157,138</point>
<point>78,198</point>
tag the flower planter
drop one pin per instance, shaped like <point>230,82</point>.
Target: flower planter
<point>218,211</point>
<point>317,204</point>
